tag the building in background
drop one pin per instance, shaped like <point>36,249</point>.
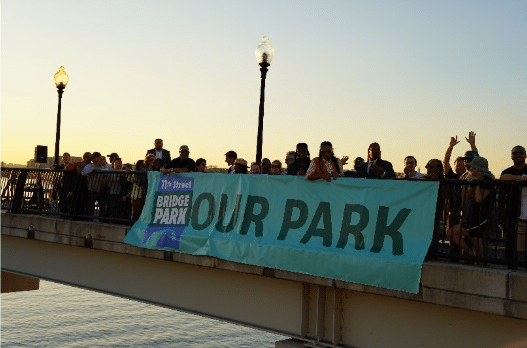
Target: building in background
<point>51,160</point>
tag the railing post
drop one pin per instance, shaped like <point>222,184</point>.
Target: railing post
<point>510,225</point>
<point>18,198</point>
<point>76,191</point>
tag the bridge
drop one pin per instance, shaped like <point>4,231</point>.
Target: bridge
<point>457,305</point>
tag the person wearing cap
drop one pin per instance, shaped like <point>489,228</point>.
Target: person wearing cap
<point>302,161</point>
<point>159,152</point>
<point>477,213</point>
<point>230,158</point>
<point>240,166</point>
<point>112,157</point>
<point>460,162</point>
<point>516,198</point>
<point>183,163</point>
<point>376,168</point>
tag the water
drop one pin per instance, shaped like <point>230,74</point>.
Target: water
<point>64,316</point>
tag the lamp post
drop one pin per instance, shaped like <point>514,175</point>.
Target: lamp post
<point>264,55</point>
<point>61,80</point>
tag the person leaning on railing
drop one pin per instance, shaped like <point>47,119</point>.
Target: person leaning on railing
<point>230,157</point>
<point>240,166</point>
<point>86,159</point>
<point>81,193</point>
<point>375,167</point>
<point>265,166</point>
<point>289,159</point>
<point>116,183</point>
<point>477,209</point>
<point>409,172</point>
<point>276,168</point>
<point>96,184</point>
<point>434,170</point>
<point>255,168</point>
<point>64,185</point>
<point>326,166</point>
<point>158,164</point>
<point>135,195</point>
<point>517,211</point>
<point>148,163</point>
<point>181,164</point>
<point>140,186</point>
<point>301,162</point>
<point>201,165</point>
<point>66,165</point>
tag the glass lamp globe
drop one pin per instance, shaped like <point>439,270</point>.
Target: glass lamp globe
<point>61,78</point>
<point>264,51</point>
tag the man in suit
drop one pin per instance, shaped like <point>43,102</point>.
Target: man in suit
<point>375,167</point>
<point>230,158</point>
<point>159,152</point>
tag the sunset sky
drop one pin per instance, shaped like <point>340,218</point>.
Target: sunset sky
<point>406,74</point>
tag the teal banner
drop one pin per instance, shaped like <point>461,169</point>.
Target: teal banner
<point>372,232</point>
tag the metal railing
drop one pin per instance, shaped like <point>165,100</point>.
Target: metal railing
<point>101,196</point>
<point>465,230</point>
<point>478,223</point>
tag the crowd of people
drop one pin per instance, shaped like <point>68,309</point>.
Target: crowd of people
<point>464,228</point>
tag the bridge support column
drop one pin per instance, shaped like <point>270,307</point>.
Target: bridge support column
<point>321,315</point>
<point>289,343</point>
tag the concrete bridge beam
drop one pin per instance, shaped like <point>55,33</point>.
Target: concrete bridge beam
<point>457,306</point>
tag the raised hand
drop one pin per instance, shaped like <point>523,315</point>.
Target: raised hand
<point>471,138</point>
<point>344,160</point>
<point>454,141</point>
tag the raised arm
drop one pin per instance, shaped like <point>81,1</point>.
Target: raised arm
<point>448,153</point>
<point>472,141</point>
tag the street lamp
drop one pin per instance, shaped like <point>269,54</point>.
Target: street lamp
<point>264,55</point>
<point>61,80</point>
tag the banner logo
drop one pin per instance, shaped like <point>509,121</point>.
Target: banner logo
<point>171,211</point>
